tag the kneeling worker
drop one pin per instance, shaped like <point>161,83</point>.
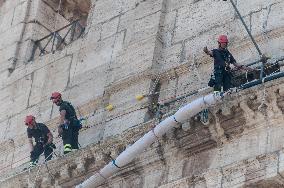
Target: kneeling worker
<point>43,139</point>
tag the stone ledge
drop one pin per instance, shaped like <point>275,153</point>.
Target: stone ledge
<point>197,140</point>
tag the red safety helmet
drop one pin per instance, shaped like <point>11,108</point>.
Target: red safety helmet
<point>29,119</point>
<point>223,39</point>
<point>56,96</point>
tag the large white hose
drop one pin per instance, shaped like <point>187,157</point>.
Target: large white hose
<point>140,145</point>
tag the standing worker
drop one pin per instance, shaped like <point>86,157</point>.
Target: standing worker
<point>43,139</point>
<point>222,60</point>
<point>69,124</point>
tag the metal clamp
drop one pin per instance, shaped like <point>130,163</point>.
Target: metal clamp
<point>176,120</point>
<point>113,162</point>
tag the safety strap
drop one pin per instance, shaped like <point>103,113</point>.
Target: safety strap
<point>101,175</point>
<point>176,119</point>
<point>155,134</point>
<point>113,162</point>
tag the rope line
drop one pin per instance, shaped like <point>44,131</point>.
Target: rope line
<point>101,175</point>
<point>145,106</point>
<point>157,138</point>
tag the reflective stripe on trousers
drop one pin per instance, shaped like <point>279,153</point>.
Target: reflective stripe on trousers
<point>67,148</point>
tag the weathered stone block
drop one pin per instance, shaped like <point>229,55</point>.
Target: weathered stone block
<point>35,32</point>
<point>200,184</point>
<point>281,162</point>
<point>45,108</point>
<point>93,33</point>
<point>105,10</point>
<point>196,79</point>
<point>11,36</point>
<point>87,86</point>
<point>274,17</point>
<point>246,8</point>
<point>109,28</point>
<point>167,28</point>
<point>152,178</point>
<point>133,61</point>
<point>173,5</point>
<point>168,90</point>
<point>142,28</point>
<point>91,135</point>
<point>257,22</point>
<point>49,18</point>
<point>53,77</point>
<point>118,46</point>
<point>6,162</point>
<point>21,155</point>
<point>213,178</point>
<point>93,55</point>
<point>7,54</point>
<point>193,20</point>
<point>182,183</point>
<point>171,57</point>
<point>148,7</point>
<point>118,125</point>
<point>19,13</point>
<point>144,9</point>
<point>3,126</point>
<point>6,21</point>
<point>14,98</point>
<point>8,5</point>
<point>234,175</point>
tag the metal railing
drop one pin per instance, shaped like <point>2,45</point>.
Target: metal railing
<point>57,40</point>
<point>262,73</point>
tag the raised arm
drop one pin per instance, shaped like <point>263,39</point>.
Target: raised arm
<point>62,117</point>
<point>50,138</point>
<point>61,122</point>
<point>205,49</point>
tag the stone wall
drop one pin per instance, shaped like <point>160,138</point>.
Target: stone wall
<point>241,147</point>
<point>126,45</point>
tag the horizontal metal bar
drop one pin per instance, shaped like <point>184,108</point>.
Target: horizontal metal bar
<point>179,98</point>
<point>258,61</point>
<point>58,30</point>
<point>253,63</point>
<point>279,59</point>
<point>246,28</point>
<point>259,81</point>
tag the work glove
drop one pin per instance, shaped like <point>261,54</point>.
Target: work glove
<point>60,131</point>
<point>205,50</point>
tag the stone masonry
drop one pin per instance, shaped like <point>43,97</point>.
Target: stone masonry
<point>126,46</point>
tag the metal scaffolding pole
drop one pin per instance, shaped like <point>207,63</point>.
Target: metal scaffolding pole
<point>262,58</point>
<point>246,27</point>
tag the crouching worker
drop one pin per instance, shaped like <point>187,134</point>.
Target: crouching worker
<point>222,76</point>
<point>69,124</point>
<point>43,139</point>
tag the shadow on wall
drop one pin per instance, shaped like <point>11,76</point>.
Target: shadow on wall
<point>72,10</point>
<point>2,2</point>
<point>69,18</point>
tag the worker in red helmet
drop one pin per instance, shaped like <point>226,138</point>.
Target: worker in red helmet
<point>69,124</point>
<point>221,78</point>
<point>43,139</point>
